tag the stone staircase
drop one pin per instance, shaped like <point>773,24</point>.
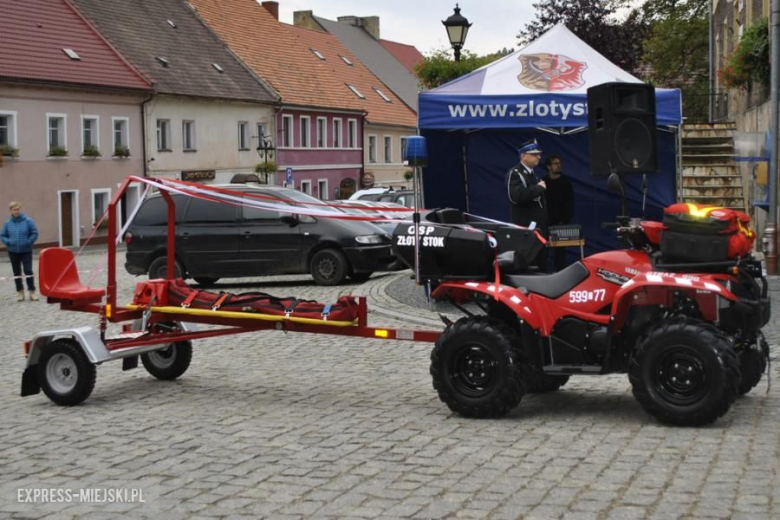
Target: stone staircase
<point>710,175</point>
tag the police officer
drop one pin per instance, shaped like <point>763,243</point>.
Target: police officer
<point>526,194</point>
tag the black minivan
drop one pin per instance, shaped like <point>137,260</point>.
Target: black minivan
<point>219,240</point>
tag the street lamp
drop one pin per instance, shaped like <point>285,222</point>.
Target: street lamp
<point>265,149</point>
<point>457,29</point>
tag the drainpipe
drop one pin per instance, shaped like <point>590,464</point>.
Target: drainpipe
<point>770,234</point>
<point>143,134</point>
<point>712,63</point>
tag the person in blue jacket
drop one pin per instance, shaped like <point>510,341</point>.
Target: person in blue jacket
<point>19,234</point>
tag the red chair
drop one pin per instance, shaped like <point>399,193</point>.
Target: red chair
<point>58,278</point>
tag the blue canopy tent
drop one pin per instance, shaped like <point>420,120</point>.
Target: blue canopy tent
<point>474,124</point>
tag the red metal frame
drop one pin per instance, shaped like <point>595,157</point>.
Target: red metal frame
<point>232,325</point>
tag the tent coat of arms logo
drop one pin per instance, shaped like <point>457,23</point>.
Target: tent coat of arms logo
<point>550,72</point>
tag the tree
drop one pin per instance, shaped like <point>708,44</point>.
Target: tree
<point>596,23</point>
<point>676,51</point>
<point>439,68</point>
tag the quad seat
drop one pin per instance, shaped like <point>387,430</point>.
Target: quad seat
<point>58,278</point>
<point>549,285</point>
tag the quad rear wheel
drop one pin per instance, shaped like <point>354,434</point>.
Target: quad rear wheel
<point>685,372</point>
<point>752,364</point>
<point>478,368</point>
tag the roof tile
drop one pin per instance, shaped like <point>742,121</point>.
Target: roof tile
<point>33,35</point>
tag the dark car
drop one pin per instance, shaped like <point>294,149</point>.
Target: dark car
<point>218,240</point>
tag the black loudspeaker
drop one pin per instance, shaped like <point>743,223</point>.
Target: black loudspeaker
<point>621,128</point>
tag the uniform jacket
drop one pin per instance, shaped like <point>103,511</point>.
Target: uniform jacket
<point>526,198</point>
<point>19,234</point>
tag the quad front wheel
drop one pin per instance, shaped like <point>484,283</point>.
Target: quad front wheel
<point>65,373</point>
<point>685,372</point>
<point>478,367</point>
<point>168,363</point>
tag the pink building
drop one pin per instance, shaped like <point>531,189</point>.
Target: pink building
<point>70,118</point>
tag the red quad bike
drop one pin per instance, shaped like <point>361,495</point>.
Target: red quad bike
<point>684,326</point>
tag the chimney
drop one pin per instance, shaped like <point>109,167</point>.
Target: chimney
<point>306,20</point>
<point>370,24</point>
<point>273,8</point>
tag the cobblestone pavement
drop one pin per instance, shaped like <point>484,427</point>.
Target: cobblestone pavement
<point>309,426</point>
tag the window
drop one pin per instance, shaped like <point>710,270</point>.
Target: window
<point>188,135</point>
<point>306,187</point>
<point>72,54</point>
<point>345,60</point>
<point>322,132</point>
<point>372,148</point>
<point>120,132</point>
<point>8,129</point>
<point>57,134</point>
<point>336,133</point>
<point>383,95</point>
<point>287,123</point>
<point>254,214</point>
<point>305,132</point>
<point>164,134</point>
<point>217,68</point>
<point>100,200</point>
<point>318,54</point>
<point>403,149</point>
<point>388,149</point>
<point>243,141</point>
<point>352,133</point>
<point>209,212</point>
<point>154,212</point>
<point>322,189</point>
<point>89,133</point>
<point>355,91</point>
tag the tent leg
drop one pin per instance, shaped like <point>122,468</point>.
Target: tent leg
<point>466,178</point>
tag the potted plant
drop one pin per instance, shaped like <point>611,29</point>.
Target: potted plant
<point>123,152</point>
<point>6,150</point>
<point>91,150</point>
<point>408,175</point>
<point>749,64</point>
<point>266,168</point>
<point>58,151</point>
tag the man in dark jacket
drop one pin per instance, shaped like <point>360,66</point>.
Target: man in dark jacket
<point>526,194</point>
<point>19,234</point>
<point>560,202</point>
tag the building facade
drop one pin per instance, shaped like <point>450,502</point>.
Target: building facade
<point>70,118</point>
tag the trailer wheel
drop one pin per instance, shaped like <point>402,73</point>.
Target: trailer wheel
<point>159,268</point>
<point>329,267</point>
<point>205,281</point>
<point>540,383</point>
<point>65,373</point>
<point>478,368</point>
<point>752,364</point>
<point>685,372</point>
<point>168,363</point>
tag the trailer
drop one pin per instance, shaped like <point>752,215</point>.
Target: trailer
<point>63,362</point>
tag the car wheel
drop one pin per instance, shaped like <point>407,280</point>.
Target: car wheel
<point>329,267</point>
<point>159,268</point>
<point>685,372</point>
<point>360,277</point>
<point>206,281</point>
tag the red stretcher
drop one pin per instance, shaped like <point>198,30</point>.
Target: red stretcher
<point>159,325</point>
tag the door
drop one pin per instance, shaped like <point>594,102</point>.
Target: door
<point>208,239</point>
<point>68,218</point>
<point>269,245</point>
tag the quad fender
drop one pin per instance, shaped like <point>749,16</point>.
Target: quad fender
<point>513,298</point>
<point>659,289</point>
